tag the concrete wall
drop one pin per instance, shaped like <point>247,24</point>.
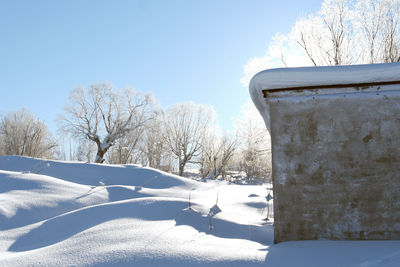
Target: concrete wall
<point>336,163</point>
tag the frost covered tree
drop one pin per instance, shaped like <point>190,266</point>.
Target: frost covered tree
<point>185,126</point>
<point>342,32</point>
<point>216,154</point>
<point>104,115</point>
<point>255,146</point>
<point>125,149</point>
<point>327,37</point>
<point>145,145</point>
<point>156,153</point>
<point>84,150</point>
<point>347,32</point>
<point>22,134</point>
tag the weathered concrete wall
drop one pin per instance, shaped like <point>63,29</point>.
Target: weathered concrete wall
<point>336,163</point>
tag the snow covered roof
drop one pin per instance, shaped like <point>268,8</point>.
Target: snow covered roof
<point>295,78</point>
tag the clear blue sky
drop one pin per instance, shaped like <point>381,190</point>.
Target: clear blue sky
<point>179,50</point>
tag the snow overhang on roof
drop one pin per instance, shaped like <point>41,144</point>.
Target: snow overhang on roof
<point>284,79</point>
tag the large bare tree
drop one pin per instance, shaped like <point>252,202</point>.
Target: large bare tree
<point>347,32</point>
<point>327,38</point>
<point>104,115</point>
<point>22,134</point>
<point>342,32</point>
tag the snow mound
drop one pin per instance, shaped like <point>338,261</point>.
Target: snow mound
<point>92,174</point>
<point>29,198</point>
<point>55,213</point>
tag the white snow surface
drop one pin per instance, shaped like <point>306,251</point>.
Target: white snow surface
<point>55,213</point>
<point>314,76</point>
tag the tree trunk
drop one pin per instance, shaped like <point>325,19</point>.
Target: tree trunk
<point>181,167</point>
<point>101,152</point>
<point>100,156</point>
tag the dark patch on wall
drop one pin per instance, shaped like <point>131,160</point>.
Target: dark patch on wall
<point>367,138</point>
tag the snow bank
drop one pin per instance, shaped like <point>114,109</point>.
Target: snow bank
<point>92,173</point>
<point>139,216</point>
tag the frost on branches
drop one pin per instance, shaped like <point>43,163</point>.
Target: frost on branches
<point>103,115</point>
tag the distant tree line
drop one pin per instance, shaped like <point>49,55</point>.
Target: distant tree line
<point>105,125</point>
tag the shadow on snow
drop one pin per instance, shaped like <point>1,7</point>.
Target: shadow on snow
<point>67,225</point>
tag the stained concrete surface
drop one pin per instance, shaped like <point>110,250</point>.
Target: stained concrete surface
<point>336,164</point>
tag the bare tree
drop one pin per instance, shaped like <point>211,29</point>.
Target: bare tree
<point>84,150</point>
<point>327,38</point>
<point>255,147</point>
<point>342,32</point>
<point>370,15</point>
<point>185,125</point>
<point>125,149</point>
<point>154,146</point>
<point>391,31</point>
<point>22,134</point>
<point>216,154</point>
<point>104,115</point>
<point>351,32</point>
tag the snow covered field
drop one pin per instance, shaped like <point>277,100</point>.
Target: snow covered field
<point>56,213</point>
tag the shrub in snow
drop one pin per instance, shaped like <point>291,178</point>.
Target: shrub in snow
<point>213,211</point>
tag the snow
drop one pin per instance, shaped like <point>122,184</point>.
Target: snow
<point>60,216</point>
<point>315,76</point>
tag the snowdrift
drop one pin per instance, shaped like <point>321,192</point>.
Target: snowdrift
<point>55,213</point>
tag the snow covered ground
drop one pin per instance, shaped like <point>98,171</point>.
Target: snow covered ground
<point>56,213</point>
